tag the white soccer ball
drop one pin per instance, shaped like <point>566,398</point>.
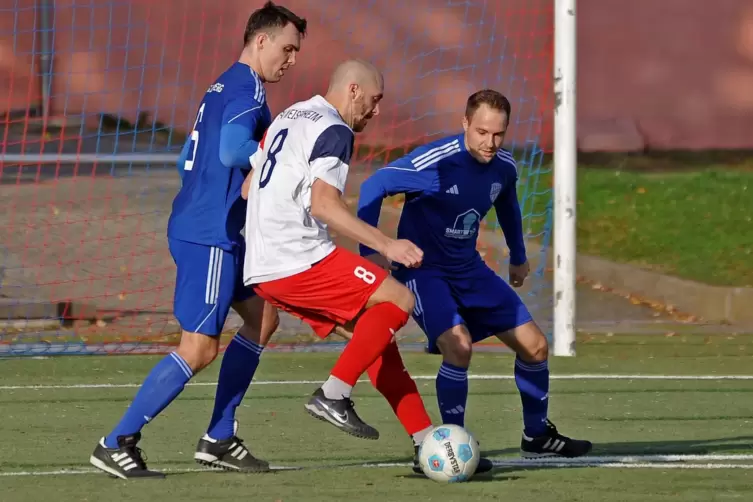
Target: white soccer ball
<point>449,454</point>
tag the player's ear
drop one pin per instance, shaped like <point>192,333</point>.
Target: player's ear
<point>465,123</point>
<point>261,39</point>
<point>355,91</point>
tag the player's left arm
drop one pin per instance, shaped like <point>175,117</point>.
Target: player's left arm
<point>511,220</point>
<point>240,119</point>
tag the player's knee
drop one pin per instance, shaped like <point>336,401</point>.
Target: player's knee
<point>536,348</point>
<point>198,350</point>
<point>260,320</point>
<point>270,321</point>
<point>456,346</point>
<point>393,292</point>
<point>407,301</point>
<point>403,298</point>
<point>541,350</point>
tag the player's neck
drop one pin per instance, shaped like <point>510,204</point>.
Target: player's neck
<point>339,105</point>
<point>251,60</point>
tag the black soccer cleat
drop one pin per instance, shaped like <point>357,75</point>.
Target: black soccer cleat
<point>127,461</point>
<point>341,414</point>
<point>228,454</point>
<point>553,444</point>
<point>484,464</point>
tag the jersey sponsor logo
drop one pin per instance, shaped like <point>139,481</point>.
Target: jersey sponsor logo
<point>466,225</point>
<point>216,88</point>
<point>496,188</point>
<point>293,114</point>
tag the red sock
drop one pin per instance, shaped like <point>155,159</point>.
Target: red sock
<point>373,332</point>
<point>389,376</point>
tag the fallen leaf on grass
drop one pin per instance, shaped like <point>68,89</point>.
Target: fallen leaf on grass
<point>657,306</point>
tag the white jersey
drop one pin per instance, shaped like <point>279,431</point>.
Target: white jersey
<point>307,141</point>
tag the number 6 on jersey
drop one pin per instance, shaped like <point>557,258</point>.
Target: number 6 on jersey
<point>188,165</point>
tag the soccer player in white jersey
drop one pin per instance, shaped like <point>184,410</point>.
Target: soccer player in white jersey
<point>294,198</point>
<point>204,234</point>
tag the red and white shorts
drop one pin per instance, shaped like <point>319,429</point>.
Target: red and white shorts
<point>332,292</point>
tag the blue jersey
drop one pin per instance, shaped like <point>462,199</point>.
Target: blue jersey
<point>447,194</point>
<point>231,121</point>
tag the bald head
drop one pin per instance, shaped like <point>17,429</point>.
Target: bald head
<point>354,72</point>
<point>355,89</point>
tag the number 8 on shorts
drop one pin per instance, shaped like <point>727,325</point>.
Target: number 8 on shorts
<point>364,275</point>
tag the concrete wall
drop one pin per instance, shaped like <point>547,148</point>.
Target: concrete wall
<point>668,74</point>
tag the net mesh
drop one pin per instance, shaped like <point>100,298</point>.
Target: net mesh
<point>98,95</point>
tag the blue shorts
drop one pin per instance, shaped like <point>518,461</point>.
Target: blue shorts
<point>478,298</point>
<point>208,282</point>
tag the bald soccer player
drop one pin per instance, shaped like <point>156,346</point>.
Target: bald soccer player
<point>294,196</point>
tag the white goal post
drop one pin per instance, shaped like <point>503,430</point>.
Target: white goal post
<point>565,166</point>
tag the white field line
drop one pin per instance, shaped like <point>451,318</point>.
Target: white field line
<point>612,462</point>
<point>420,377</point>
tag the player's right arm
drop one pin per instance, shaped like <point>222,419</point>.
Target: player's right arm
<point>329,165</point>
<point>401,176</point>
<point>328,207</point>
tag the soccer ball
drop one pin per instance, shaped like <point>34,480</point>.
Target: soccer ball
<point>449,454</point>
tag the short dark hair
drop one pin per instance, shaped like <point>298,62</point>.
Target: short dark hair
<point>272,16</point>
<point>489,97</point>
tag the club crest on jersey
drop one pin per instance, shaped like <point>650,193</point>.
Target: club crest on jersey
<point>496,188</point>
<point>466,225</point>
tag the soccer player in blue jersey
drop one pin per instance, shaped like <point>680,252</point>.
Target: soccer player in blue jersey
<point>449,186</point>
<point>204,234</point>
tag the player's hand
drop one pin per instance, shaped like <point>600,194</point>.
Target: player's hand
<point>518,274</point>
<point>405,252</point>
<point>246,186</point>
<point>381,261</point>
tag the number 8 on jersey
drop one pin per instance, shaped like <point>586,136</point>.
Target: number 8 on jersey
<point>269,165</point>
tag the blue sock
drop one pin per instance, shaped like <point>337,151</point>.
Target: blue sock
<point>238,367</point>
<point>452,393</point>
<point>532,380</point>
<point>163,384</point>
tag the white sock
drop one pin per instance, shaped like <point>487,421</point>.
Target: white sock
<point>419,436</point>
<point>334,388</point>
